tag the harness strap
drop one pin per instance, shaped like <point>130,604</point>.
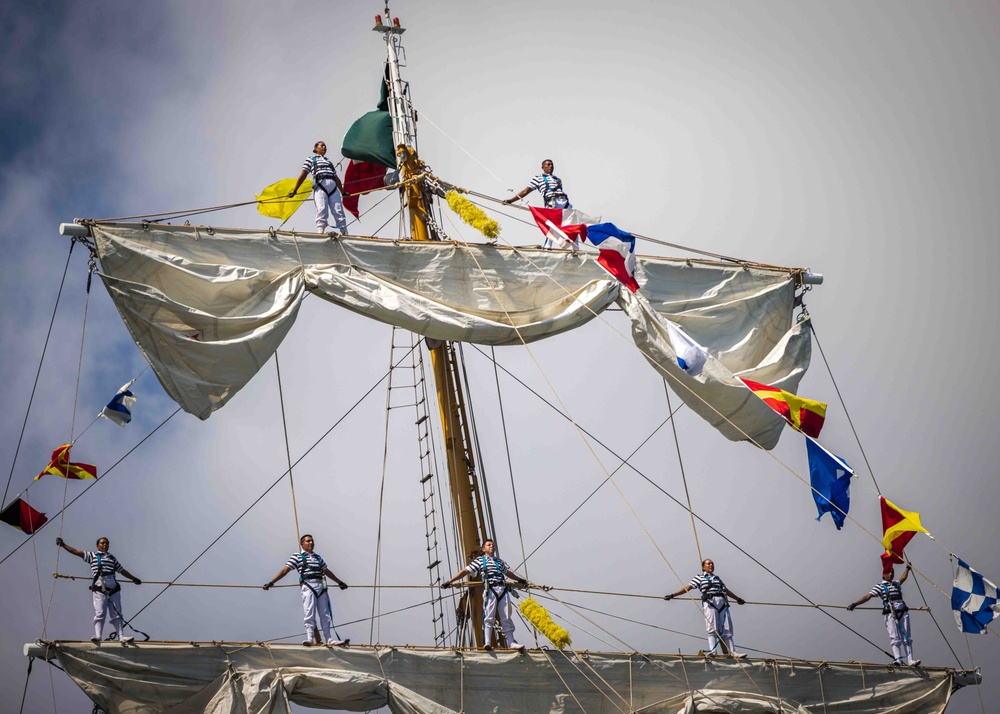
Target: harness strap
<point>318,184</point>
<point>887,599</point>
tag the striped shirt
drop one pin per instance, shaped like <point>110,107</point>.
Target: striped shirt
<point>312,568</point>
<point>895,591</point>
<point>102,564</point>
<point>495,569</point>
<point>709,585</point>
<point>320,166</point>
<point>549,186</point>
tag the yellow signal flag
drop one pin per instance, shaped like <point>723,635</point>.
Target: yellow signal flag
<point>274,202</point>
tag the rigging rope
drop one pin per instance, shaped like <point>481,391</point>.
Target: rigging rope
<point>743,669</point>
<point>91,266</point>
<point>510,468</point>
<point>680,461</point>
<point>843,405</point>
<point>38,372</point>
<point>94,483</point>
<point>581,433</point>
<point>376,600</point>
<point>266,491</point>
<point>679,503</point>
<point>288,452</point>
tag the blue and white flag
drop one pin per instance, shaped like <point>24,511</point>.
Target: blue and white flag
<point>690,355</point>
<point>118,409</point>
<point>974,599</point>
<point>830,478</point>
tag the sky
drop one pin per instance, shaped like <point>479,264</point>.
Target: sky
<point>855,139</point>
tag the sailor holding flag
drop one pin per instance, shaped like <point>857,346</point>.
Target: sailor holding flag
<point>327,191</point>
<point>896,613</point>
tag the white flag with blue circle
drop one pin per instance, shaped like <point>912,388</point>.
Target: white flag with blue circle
<point>974,599</point>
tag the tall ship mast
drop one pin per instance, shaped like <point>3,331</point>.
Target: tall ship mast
<point>208,306</point>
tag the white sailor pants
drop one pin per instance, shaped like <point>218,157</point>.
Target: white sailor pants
<point>899,636</point>
<point>718,624</point>
<point>316,605</point>
<point>329,204</point>
<point>497,607</point>
<point>107,604</point>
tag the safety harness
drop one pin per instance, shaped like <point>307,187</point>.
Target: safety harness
<point>317,593</point>
<point>498,590</point>
<point>715,588</point>
<point>98,585</point>
<point>554,197</point>
<point>889,598</point>
<point>319,182</point>
<point>304,581</point>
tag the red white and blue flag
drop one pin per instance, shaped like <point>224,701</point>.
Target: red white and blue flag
<point>565,227</point>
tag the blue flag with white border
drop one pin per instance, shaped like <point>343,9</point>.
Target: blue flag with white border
<point>973,599</point>
<point>830,478</point>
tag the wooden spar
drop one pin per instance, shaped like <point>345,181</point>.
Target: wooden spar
<point>467,498</point>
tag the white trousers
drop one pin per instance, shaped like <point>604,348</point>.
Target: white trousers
<point>493,608</point>
<point>899,636</point>
<point>328,205</point>
<point>718,624</point>
<point>316,607</point>
<point>104,605</point>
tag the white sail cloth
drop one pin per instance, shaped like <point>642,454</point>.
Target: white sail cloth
<point>260,679</point>
<point>208,307</point>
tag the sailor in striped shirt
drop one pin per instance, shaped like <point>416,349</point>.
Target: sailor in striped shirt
<point>547,184</point>
<point>896,614</point>
<point>106,590</point>
<point>496,592</point>
<point>315,600</point>
<point>327,189</point>
<point>715,606</point>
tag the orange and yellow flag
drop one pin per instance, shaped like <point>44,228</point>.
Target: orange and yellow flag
<point>62,466</point>
<point>805,415</point>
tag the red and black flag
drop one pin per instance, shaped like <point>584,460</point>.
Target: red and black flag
<point>22,516</point>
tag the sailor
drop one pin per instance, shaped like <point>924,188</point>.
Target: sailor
<point>547,184</point>
<point>106,590</point>
<point>896,613</point>
<point>496,592</point>
<point>327,190</point>
<point>315,600</point>
<point>715,606</point>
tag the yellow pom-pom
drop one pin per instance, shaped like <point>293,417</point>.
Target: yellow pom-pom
<point>473,215</point>
<point>538,616</point>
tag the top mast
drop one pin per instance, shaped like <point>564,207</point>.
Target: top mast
<point>468,501</point>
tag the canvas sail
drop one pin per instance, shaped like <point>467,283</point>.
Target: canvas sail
<point>208,307</point>
<point>255,678</point>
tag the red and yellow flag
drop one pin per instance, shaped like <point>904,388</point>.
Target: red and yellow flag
<point>805,415</point>
<point>898,527</point>
<point>62,466</point>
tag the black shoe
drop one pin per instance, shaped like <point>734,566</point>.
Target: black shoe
<point>488,648</point>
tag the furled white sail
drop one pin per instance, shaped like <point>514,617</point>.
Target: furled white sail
<point>208,307</point>
<point>258,679</point>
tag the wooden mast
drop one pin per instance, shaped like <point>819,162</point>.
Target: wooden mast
<point>467,499</point>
